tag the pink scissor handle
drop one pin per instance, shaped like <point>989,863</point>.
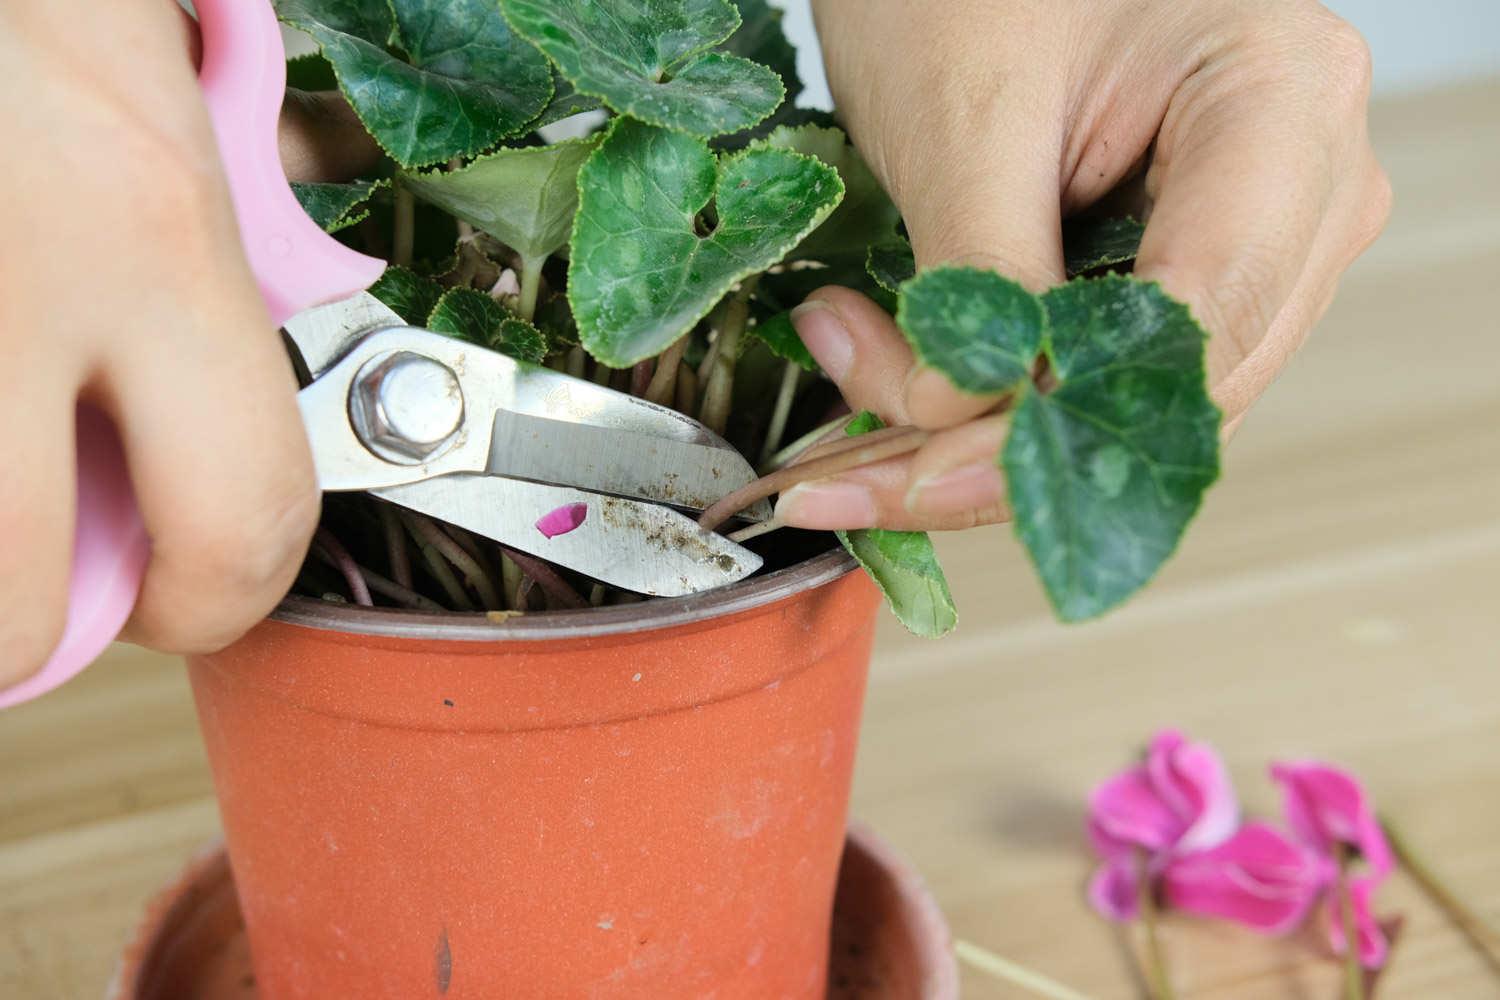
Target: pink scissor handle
<point>297,266</point>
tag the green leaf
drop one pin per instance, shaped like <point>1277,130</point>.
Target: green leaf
<point>524,197</point>
<point>566,102</point>
<point>1105,472</point>
<point>780,336</point>
<point>466,81</point>
<point>409,294</point>
<point>903,565</point>
<point>980,329</point>
<point>1089,244</point>
<point>335,206</point>
<point>760,38</point>
<point>310,72</point>
<point>640,275</point>
<point>865,216</point>
<point>891,264</point>
<point>474,316</point>
<point>653,60</point>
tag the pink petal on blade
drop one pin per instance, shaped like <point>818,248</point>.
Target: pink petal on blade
<point>1125,812</point>
<point>562,520</point>
<point>1114,892</point>
<point>1192,780</point>
<point>1326,805</point>
<point>1373,945</point>
<point>1260,878</point>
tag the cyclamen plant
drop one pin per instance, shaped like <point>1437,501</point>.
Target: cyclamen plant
<point>660,251</point>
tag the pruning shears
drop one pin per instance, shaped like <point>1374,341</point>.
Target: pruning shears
<point>436,425</point>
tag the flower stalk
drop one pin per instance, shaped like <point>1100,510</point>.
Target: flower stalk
<point>1481,933</point>
<point>1158,982</point>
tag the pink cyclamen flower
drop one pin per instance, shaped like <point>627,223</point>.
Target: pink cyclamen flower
<point>1328,810</point>
<point>1179,800</point>
<point>1259,877</point>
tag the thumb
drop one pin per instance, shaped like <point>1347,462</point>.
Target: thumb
<point>1000,211</point>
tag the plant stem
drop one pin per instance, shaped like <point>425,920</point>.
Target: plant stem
<point>559,594</point>
<point>404,230</point>
<point>602,372</point>
<point>576,361</point>
<point>404,596</point>
<point>437,565</point>
<point>718,394</point>
<point>663,387</point>
<point>803,443</point>
<point>1007,971</point>
<point>431,534</point>
<point>640,377</point>
<point>531,283</point>
<point>1483,934</point>
<point>345,564</point>
<point>791,373</point>
<point>756,530</point>
<point>866,449</point>
<point>687,388</point>
<point>511,578</point>
<point>1157,980</point>
<point>1354,972</point>
<point>395,545</point>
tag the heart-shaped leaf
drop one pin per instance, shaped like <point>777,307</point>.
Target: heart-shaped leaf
<point>654,61</point>
<point>891,264</point>
<point>760,38</point>
<point>466,81</point>
<point>981,330</point>
<point>640,273</point>
<point>474,316</point>
<point>336,206</point>
<point>408,294</point>
<point>903,565</point>
<point>524,197</point>
<point>866,215</point>
<point>1089,244</point>
<point>1105,471</point>
<point>310,71</point>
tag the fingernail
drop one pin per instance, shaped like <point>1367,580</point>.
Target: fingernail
<point>928,389</point>
<point>826,337</point>
<point>827,505</point>
<point>975,486</point>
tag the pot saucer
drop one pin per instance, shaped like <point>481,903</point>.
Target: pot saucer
<point>889,939</point>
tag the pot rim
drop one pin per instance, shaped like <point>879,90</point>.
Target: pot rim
<point>660,613</point>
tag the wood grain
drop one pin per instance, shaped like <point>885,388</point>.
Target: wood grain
<point>1338,598</point>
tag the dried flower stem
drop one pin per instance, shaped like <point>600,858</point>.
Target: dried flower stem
<point>1484,935</point>
<point>404,228</point>
<point>559,594</point>
<point>663,387</point>
<point>341,560</point>
<point>791,373</point>
<point>1158,983</point>
<point>1354,972</point>
<point>794,450</point>
<point>756,530</point>
<point>511,579</point>
<point>395,545</point>
<point>863,450</point>
<point>1007,971</point>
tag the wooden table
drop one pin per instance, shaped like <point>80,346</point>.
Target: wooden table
<point>1338,598</point>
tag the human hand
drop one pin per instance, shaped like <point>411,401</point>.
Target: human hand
<point>1238,131</point>
<point>122,283</point>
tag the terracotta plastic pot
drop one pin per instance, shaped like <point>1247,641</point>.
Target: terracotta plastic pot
<point>645,801</point>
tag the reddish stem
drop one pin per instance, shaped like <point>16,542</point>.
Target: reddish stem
<point>341,560</point>
<point>558,592</point>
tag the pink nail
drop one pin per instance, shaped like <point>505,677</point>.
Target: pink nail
<point>827,505</point>
<point>826,337</point>
<point>969,487</point>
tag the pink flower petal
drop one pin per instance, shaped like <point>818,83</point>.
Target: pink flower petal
<point>1192,780</point>
<point>1260,878</point>
<point>1326,806</point>
<point>562,520</point>
<point>1113,891</point>
<point>1373,945</point>
<point>1125,813</point>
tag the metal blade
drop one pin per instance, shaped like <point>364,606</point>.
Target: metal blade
<point>631,544</point>
<point>628,463</point>
<point>325,333</point>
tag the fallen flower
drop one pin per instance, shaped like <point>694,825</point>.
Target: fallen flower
<point>1179,800</point>
<point>562,520</point>
<point>1329,811</point>
<point>1260,878</point>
